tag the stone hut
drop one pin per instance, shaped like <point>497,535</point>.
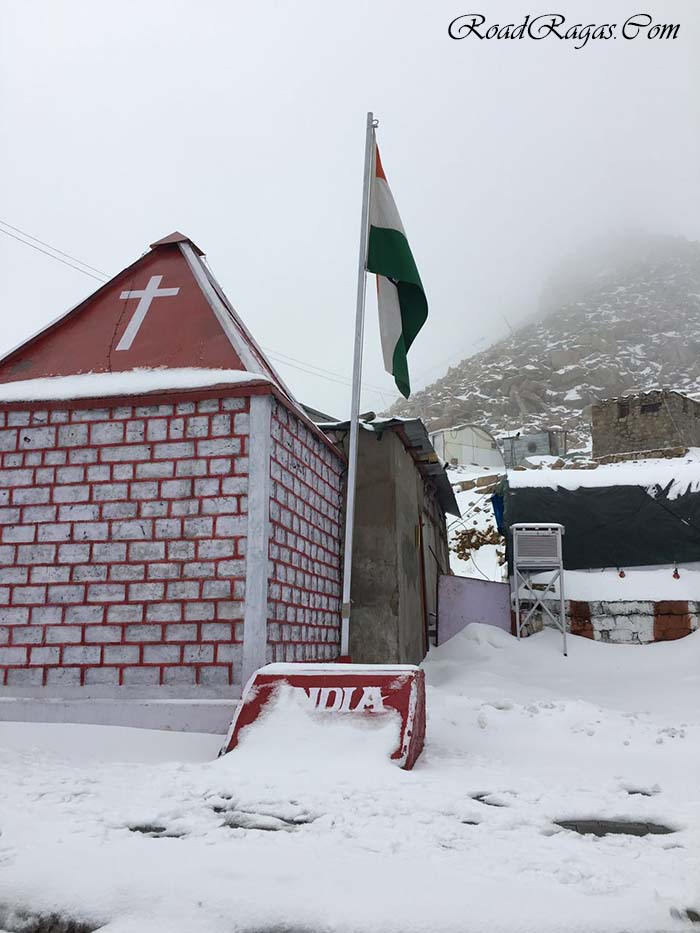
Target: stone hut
<point>647,421</point>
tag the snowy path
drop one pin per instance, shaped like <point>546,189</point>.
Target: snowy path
<point>136,831</point>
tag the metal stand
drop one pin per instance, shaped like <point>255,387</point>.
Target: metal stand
<point>536,551</point>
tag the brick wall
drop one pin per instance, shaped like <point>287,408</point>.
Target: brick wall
<point>646,422</point>
<point>122,543</point>
<point>304,589</point>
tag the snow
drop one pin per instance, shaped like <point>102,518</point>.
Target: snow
<point>281,667</point>
<point>638,583</point>
<point>133,382</point>
<point>309,826</point>
<point>679,474</point>
<point>482,564</point>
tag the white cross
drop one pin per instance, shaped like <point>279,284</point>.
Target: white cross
<point>145,296</point>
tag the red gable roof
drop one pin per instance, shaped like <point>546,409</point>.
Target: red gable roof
<point>165,310</point>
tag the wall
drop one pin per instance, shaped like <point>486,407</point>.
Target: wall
<point>516,450</point>
<point>375,586</point>
<point>676,422</point>
<point>394,507</point>
<point>436,554</point>
<point>464,600</point>
<point>413,595</point>
<point>467,445</point>
<point>122,560</point>
<point>630,622</point>
<point>304,589</point>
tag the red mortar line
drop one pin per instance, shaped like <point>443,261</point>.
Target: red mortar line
<point>172,397</point>
<point>336,508</point>
<point>323,531</point>
<point>285,563</point>
<point>297,534</point>
<point>285,432</point>
<point>275,456</point>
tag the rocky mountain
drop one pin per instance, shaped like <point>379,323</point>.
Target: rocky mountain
<point>615,320</point>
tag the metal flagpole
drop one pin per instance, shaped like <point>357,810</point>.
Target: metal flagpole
<point>356,379</point>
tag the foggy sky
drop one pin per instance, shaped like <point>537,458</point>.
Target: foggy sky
<point>242,125</point>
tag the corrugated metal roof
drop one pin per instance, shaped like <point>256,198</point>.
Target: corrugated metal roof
<point>415,439</point>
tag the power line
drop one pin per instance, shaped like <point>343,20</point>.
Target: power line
<point>65,262</point>
<point>321,375</point>
<point>309,368</point>
<point>49,246</point>
<point>330,372</point>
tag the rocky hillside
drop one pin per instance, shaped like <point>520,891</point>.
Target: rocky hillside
<point>618,320</point>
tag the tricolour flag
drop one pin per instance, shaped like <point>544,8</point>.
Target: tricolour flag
<point>402,304</point>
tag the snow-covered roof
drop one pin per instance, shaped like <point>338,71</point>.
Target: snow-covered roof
<point>134,382</point>
<point>679,474</point>
<point>415,438</point>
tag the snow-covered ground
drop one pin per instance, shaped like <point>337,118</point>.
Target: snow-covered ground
<point>307,827</point>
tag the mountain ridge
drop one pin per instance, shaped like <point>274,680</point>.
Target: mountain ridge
<point>616,320</point>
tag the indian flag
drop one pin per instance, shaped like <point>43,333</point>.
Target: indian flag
<point>402,304</point>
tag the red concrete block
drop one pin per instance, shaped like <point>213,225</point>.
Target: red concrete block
<point>671,607</point>
<point>580,618</point>
<point>670,627</point>
<point>339,690</point>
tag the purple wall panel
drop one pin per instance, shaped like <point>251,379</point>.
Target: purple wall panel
<point>462,600</point>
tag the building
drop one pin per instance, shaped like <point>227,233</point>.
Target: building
<point>647,421</point>
<point>518,447</point>
<point>171,516</point>
<point>467,445</point>
<point>400,539</point>
<point>631,547</point>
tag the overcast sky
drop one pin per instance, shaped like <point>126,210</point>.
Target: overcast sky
<point>242,125</point>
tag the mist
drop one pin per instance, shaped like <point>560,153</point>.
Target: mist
<point>243,126</point>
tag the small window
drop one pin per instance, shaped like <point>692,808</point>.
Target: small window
<point>650,408</point>
<point>685,405</point>
<point>623,409</point>
<point>532,447</point>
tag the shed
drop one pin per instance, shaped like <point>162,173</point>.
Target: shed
<point>467,444</point>
<point>171,515</point>
<point>518,447</point>
<point>400,541</point>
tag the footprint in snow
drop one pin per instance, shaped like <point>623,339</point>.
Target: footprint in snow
<point>634,790</point>
<point>487,799</point>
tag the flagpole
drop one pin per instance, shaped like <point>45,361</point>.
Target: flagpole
<point>356,383</point>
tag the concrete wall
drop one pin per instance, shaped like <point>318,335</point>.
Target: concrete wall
<point>412,621</point>
<point>650,421</point>
<point>374,636</point>
<point>436,555</point>
<point>394,579</point>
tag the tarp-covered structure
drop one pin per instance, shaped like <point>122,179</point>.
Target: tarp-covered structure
<point>618,515</point>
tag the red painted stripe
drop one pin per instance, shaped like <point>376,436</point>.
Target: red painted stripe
<point>379,171</point>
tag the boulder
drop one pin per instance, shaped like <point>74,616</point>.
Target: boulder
<point>559,358</point>
<point>567,378</point>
